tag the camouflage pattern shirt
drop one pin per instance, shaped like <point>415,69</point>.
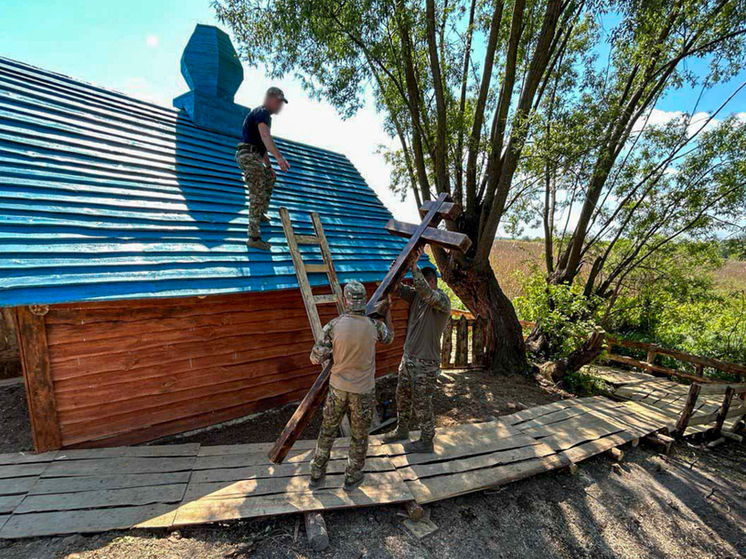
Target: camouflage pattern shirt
<point>429,311</point>
<point>352,339</point>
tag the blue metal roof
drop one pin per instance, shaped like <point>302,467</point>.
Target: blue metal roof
<point>103,196</point>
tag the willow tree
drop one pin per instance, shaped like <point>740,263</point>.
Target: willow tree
<point>610,186</point>
<point>458,83</point>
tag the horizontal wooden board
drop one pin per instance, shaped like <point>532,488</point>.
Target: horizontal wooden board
<point>9,503</point>
<point>17,485</point>
<point>283,470</point>
<point>189,449</point>
<point>60,485</point>
<point>86,521</point>
<point>110,466</point>
<point>105,498</point>
<point>213,510</point>
<point>446,486</point>
<point>592,448</point>
<point>23,470</point>
<point>273,486</point>
<point>465,464</point>
<point>18,458</point>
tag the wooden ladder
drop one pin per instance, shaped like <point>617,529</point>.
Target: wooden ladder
<point>302,270</point>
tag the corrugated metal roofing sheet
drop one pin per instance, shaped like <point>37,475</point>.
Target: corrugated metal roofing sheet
<point>107,197</point>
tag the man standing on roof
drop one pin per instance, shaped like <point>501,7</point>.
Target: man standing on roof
<point>351,340</point>
<point>253,159</point>
<point>429,311</point>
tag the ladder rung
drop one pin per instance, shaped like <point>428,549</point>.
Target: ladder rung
<point>323,299</point>
<point>307,239</point>
<point>316,269</point>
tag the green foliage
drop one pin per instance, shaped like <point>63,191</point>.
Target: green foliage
<point>565,314</point>
<point>456,303</point>
<point>585,384</point>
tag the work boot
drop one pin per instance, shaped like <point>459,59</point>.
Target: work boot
<point>257,242</point>
<point>265,219</point>
<point>316,480</point>
<point>419,447</point>
<point>395,435</point>
<point>353,482</point>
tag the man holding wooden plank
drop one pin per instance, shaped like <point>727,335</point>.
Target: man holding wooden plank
<point>351,339</point>
<point>429,311</point>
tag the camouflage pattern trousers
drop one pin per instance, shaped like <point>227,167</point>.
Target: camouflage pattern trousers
<point>260,182</point>
<point>415,392</point>
<point>360,408</point>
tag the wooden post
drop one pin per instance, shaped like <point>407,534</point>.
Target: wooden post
<point>700,370</point>
<point>477,341</point>
<point>445,357</point>
<point>318,537</point>
<point>37,374</point>
<point>686,413</point>
<point>651,354</point>
<point>462,342</point>
<point>415,511</point>
<point>723,412</point>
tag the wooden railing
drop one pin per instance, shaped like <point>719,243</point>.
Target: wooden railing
<point>653,350</point>
<point>465,342</point>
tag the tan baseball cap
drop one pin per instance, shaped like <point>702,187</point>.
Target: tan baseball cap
<point>276,93</point>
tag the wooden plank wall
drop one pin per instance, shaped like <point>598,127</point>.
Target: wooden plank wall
<point>131,371</point>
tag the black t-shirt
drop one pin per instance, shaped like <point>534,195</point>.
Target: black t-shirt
<point>251,128</point>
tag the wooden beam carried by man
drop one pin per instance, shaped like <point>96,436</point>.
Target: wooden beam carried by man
<point>419,235</point>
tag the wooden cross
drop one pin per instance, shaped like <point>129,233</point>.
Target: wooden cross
<point>419,235</point>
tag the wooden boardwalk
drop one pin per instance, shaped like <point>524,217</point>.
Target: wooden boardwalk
<point>96,490</point>
<point>668,397</point>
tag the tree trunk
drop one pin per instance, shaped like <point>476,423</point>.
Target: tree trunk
<point>479,290</point>
<point>584,355</point>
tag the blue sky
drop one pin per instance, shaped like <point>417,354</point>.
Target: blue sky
<point>135,46</point>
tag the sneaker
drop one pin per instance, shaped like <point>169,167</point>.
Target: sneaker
<point>315,482</point>
<point>351,484</point>
<point>395,435</point>
<point>265,219</point>
<point>257,242</point>
<point>419,447</point>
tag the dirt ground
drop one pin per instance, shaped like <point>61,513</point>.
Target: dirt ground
<point>689,505</point>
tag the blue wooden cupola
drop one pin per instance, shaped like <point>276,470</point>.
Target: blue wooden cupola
<point>213,73</point>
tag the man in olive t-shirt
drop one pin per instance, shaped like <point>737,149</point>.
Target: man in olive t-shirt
<point>429,311</point>
<point>351,339</point>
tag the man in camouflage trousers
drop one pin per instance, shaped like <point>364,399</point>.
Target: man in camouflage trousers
<point>429,311</point>
<point>252,156</point>
<point>351,340</point>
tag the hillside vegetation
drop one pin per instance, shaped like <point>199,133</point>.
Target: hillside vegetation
<point>691,298</point>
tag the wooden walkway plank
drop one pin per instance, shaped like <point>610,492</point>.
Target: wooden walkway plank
<point>22,470</point>
<point>587,450</point>
<point>213,510</point>
<point>379,464</point>
<point>447,486</point>
<point>60,485</point>
<point>110,466</point>
<point>274,486</point>
<point>173,493</point>
<point>260,459</point>
<point>175,450</point>
<point>450,449</point>
<point>420,471</point>
<point>87,521</point>
<point>16,485</point>
<point>18,458</point>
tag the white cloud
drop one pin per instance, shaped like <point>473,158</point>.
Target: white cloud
<point>152,41</point>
